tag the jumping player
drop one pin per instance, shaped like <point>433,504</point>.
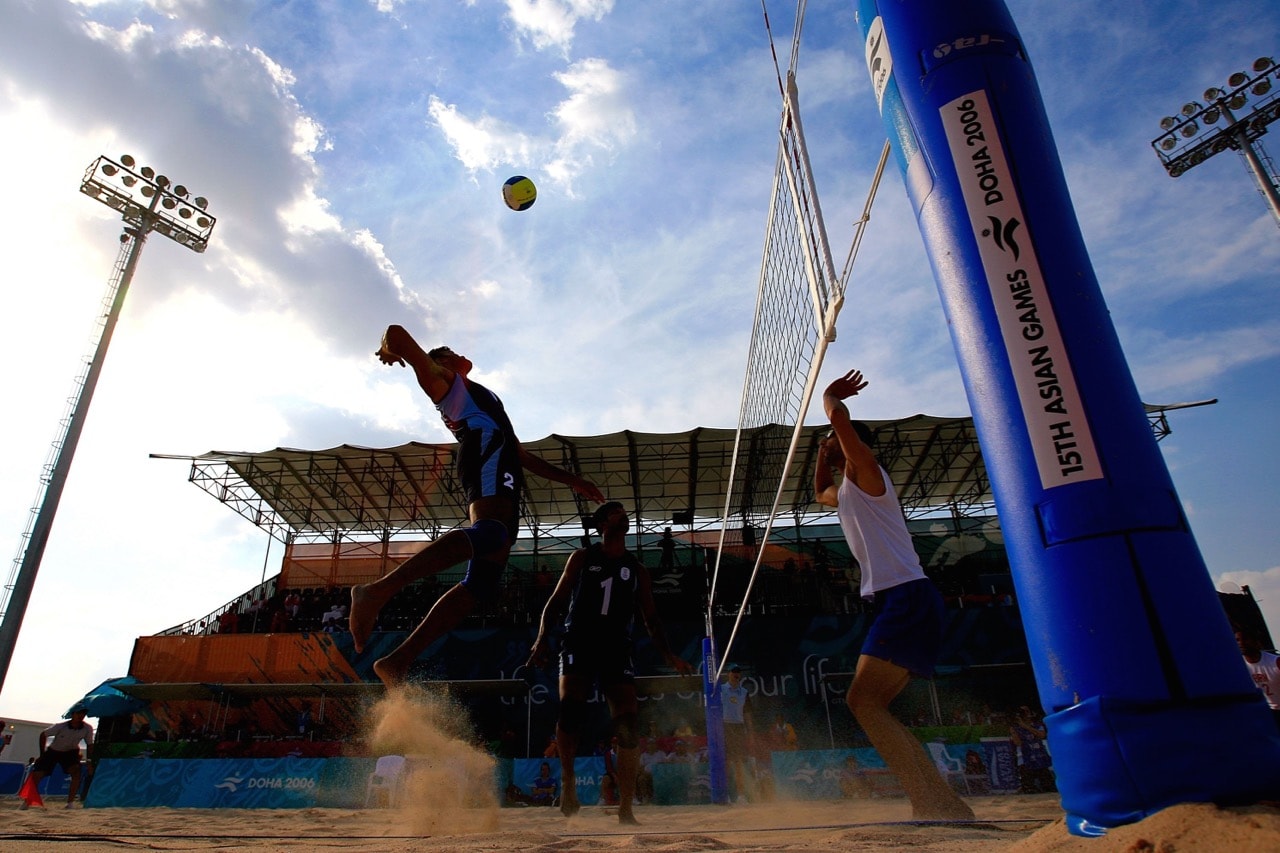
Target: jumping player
<point>491,464</point>
<point>603,588</point>
<point>906,627</point>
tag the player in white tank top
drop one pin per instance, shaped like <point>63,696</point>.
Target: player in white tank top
<point>906,628</point>
<point>876,534</point>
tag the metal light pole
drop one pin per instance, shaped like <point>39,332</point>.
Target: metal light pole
<point>1188,141</point>
<point>147,202</point>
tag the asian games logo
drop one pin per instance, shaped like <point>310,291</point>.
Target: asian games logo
<point>230,784</point>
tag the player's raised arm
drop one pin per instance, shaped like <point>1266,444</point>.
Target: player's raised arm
<point>399,347</point>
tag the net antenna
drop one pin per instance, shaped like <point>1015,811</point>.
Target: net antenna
<point>797,301</point>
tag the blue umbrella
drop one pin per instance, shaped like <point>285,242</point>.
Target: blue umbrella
<point>106,701</point>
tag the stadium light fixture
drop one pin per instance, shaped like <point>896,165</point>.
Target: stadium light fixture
<point>1190,138</point>
<point>146,202</point>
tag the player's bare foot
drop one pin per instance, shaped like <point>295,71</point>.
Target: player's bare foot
<point>627,818</point>
<point>569,805</point>
<point>363,614</point>
<point>389,672</point>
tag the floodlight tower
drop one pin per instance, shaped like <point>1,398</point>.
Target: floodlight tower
<point>1187,139</point>
<point>147,202</point>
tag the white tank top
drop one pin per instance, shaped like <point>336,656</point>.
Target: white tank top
<point>877,535</point>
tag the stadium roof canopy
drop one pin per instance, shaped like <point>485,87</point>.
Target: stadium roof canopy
<point>350,493</point>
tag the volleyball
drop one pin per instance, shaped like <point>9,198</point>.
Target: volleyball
<point>519,193</point>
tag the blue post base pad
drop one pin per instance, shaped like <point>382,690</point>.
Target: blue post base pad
<point>1119,761</point>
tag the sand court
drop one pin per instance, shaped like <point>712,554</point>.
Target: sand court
<point>1020,824</point>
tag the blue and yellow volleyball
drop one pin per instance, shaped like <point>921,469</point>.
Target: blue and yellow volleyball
<point>519,193</point>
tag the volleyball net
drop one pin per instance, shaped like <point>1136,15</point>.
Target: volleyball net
<point>798,297</point>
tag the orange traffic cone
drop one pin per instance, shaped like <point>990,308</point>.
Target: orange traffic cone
<point>30,792</point>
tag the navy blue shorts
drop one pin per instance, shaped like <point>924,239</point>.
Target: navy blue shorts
<point>484,579</point>
<point>906,626</point>
<point>604,662</point>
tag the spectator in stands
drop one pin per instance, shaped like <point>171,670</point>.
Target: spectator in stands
<point>853,781</point>
<point>975,771</point>
<point>1263,666</point>
<point>603,589</point>
<point>544,787</point>
<point>1028,733</point>
<point>333,618</point>
<point>680,753</point>
<point>783,735</point>
<point>736,707</point>
<point>906,625</point>
<point>304,724</point>
<point>491,465</point>
<point>60,747</point>
<point>667,544</point>
<point>608,789</point>
<point>649,756</point>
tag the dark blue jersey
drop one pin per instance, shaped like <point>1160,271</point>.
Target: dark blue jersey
<point>603,606</point>
<point>488,450</point>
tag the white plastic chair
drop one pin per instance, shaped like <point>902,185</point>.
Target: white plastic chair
<point>948,766</point>
<point>385,782</point>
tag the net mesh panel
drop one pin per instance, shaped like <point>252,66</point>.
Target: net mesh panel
<point>797,299</point>
<point>797,289</point>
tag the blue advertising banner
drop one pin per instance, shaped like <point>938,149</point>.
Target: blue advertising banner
<point>1002,765</point>
<point>680,784</point>
<point>56,784</point>
<point>822,774</point>
<point>11,776</point>
<point>278,783</point>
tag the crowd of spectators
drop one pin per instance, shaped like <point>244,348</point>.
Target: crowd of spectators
<point>812,580</point>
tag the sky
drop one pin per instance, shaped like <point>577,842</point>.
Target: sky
<point>353,154</point>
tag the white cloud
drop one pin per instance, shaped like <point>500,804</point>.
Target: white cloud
<point>595,117</point>
<point>479,144</point>
<point>1174,364</point>
<point>550,23</point>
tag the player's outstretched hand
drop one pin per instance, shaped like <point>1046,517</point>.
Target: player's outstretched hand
<point>848,385</point>
<point>386,348</point>
<point>389,357</point>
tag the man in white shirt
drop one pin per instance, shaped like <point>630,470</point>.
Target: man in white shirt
<point>60,747</point>
<point>906,625</point>
<point>1264,668</point>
